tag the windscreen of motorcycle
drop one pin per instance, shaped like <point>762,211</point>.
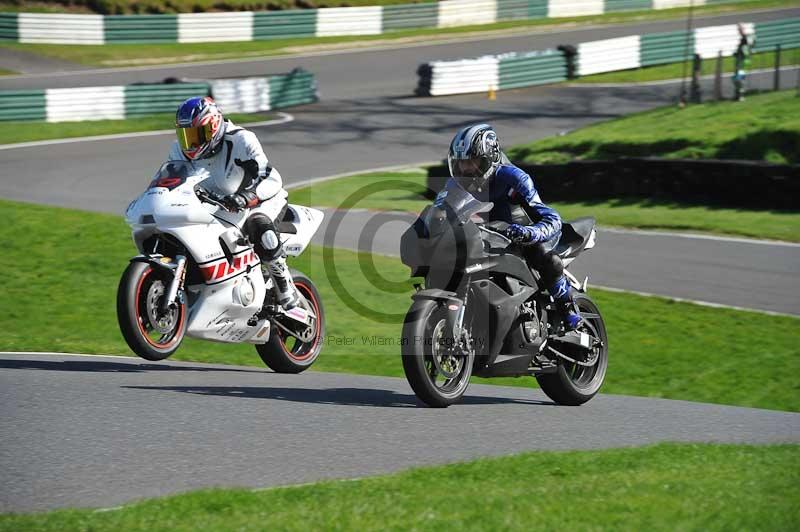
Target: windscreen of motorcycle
<point>170,198</point>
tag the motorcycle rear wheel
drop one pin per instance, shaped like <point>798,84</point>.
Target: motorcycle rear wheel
<point>149,333</point>
<point>437,378</point>
<point>284,353</point>
<point>573,384</point>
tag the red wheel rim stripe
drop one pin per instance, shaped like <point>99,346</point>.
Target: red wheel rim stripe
<point>318,327</point>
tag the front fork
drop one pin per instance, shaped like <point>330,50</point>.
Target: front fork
<point>456,308</point>
<point>176,269</point>
<point>176,284</point>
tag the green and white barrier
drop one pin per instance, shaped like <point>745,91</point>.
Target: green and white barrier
<point>594,57</point>
<point>248,95</point>
<point>621,53</point>
<point>494,72</point>
<point>106,103</point>
<point>324,22</point>
<point>784,32</point>
<point>574,8</point>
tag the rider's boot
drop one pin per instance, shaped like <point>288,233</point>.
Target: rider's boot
<point>284,285</point>
<point>562,294</point>
<point>275,261</point>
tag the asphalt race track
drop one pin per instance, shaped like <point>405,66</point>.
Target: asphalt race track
<point>98,432</point>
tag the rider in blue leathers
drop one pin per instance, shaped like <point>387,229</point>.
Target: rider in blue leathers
<point>478,164</point>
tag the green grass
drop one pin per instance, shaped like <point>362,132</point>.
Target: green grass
<point>132,54</point>
<point>58,290</point>
<point>765,127</point>
<point>665,487</point>
<point>25,131</point>
<point>404,191</point>
<point>763,60</point>
<point>6,72</point>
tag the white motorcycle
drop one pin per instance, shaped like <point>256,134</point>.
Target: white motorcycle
<point>199,276</point>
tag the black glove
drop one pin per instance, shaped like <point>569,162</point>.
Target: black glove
<point>250,168</point>
<point>241,200</point>
<point>234,202</point>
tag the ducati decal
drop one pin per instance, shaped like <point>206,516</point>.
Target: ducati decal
<point>221,270</point>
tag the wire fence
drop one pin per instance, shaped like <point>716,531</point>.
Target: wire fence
<point>767,70</point>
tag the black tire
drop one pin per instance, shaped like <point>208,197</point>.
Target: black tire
<point>419,329</point>
<point>286,354</point>
<point>135,323</point>
<point>572,384</point>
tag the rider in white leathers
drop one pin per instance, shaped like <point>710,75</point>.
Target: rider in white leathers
<point>239,172</point>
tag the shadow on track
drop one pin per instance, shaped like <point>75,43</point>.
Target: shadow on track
<point>112,367</point>
<point>331,396</point>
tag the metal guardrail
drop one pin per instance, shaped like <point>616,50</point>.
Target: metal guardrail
<point>785,33</point>
<point>534,68</point>
<point>124,101</point>
<point>623,53</point>
<point>262,25</point>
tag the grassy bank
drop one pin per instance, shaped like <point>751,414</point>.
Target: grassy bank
<point>111,55</point>
<point>59,287</point>
<point>759,61</point>
<point>765,127</point>
<point>25,131</point>
<point>664,487</point>
<point>404,191</point>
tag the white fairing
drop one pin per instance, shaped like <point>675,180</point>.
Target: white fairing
<point>307,221</point>
<point>233,290</point>
<point>591,242</point>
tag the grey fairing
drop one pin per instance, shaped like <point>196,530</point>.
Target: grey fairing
<point>513,266</point>
<point>436,294</point>
<point>494,312</point>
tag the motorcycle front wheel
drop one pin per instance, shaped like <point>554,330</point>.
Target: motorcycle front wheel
<point>437,374</point>
<point>284,353</point>
<point>573,384</point>
<point>150,333</point>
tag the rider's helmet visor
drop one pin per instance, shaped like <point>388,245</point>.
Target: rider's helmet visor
<point>472,167</point>
<point>193,137</point>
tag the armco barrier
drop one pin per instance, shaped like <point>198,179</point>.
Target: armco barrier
<point>159,98</point>
<point>23,105</point>
<point>247,95</point>
<point>118,102</point>
<point>249,25</point>
<point>507,71</point>
<point>456,77</point>
<point>534,68</point>
<point>663,48</point>
<point>784,32</point>
<point>608,55</point>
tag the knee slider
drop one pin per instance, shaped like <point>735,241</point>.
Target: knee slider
<point>270,240</point>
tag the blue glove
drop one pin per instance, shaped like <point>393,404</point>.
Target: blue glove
<point>524,234</point>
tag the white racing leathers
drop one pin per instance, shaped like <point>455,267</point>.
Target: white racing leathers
<point>240,166</point>
<point>226,176</point>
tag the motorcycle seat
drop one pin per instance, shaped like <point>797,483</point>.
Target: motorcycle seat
<point>574,236</point>
<point>284,222</point>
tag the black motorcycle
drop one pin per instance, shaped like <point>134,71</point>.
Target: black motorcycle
<point>483,313</point>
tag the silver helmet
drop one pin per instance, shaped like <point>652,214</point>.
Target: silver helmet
<point>474,154</point>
